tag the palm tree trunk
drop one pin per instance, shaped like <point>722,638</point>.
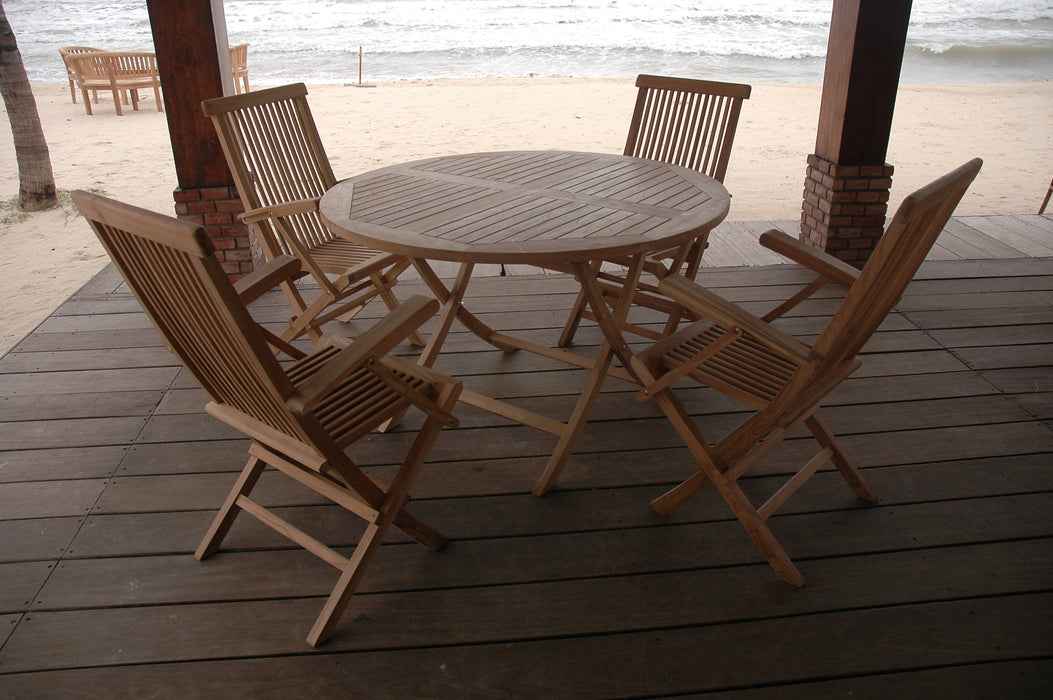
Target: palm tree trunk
<point>36,182</point>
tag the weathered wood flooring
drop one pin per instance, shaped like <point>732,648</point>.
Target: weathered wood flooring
<point>110,472</point>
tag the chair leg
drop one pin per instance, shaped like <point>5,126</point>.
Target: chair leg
<point>390,512</point>
<point>230,509</point>
<point>759,532</point>
<point>570,329</point>
<point>392,302</point>
<point>117,102</point>
<point>739,503</point>
<point>302,321</point>
<point>407,522</point>
<point>679,494</point>
<point>422,533</point>
<point>825,437</point>
<point>350,313</point>
<point>352,575</point>
<point>692,262</point>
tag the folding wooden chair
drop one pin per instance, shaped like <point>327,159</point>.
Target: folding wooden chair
<point>300,418</point>
<point>781,378</point>
<point>690,123</point>
<point>281,170</point>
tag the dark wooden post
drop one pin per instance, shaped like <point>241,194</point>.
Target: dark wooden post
<point>848,181</point>
<point>190,37</point>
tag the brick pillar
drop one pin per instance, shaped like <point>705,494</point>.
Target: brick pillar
<point>217,209</point>
<point>844,207</point>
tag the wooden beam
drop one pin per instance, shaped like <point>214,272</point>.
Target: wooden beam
<point>863,62</point>
<point>193,58</point>
<point>848,181</point>
<point>188,36</point>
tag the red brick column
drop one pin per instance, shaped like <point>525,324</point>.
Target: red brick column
<point>844,207</point>
<point>217,209</point>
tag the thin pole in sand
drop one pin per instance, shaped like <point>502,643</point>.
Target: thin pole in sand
<point>360,83</point>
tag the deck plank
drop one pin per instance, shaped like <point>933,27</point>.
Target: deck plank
<point>819,645</point>
<point>497,562</point>
<point>497,513</point>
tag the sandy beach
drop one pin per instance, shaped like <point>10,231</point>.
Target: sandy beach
<point>50,255</point>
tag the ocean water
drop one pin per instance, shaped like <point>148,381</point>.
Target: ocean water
<point>317,41</point>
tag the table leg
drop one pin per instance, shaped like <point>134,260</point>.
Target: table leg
<point>614,344</point>
<point>452,308</point>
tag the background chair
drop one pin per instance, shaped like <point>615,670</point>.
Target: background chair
<point>690,123</point>
<point>123,73</point>
<point>132,70</point>
<point>300,418</point>
<point>782,379</point>
<point>239,66</point>
<point>67,52</point>
<point>281,170</point>
<point>91,74</point>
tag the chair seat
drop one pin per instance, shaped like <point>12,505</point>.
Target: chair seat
<point>337,255</point>
<point>745,369</point>
<point>360,404</point>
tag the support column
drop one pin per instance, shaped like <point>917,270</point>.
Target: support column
<point>190,38</point>
<point>845,207</point>
<point>848,181</point>
<point>217,209</point>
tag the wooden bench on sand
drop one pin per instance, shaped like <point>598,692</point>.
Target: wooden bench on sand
<point>116,71</point>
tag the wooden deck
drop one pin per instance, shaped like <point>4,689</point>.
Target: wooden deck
<point>110,472</point>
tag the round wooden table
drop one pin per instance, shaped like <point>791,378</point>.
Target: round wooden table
<point>536,207</point>
<point>565,211</point>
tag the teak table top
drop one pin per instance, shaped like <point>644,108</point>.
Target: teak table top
<point>536,207</point>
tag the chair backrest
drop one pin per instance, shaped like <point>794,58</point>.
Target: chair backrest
<point>171,267</point>
<point>90,67</point>
<point>275,155</point>
<point>132,64</point>
<point>239,58</point>
<point>897,257</point>
<point>67,52</point>
<point>686,122</point>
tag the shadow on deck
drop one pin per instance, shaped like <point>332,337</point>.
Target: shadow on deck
<point>110,472</point>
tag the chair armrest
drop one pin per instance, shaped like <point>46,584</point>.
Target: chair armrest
<point>387,367</point>
<point>375,342</point>
<point>298,206</point>
<point>266,277</point>
<point>374,265</point>
<point>814,259</point>
<point>724,313</point>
